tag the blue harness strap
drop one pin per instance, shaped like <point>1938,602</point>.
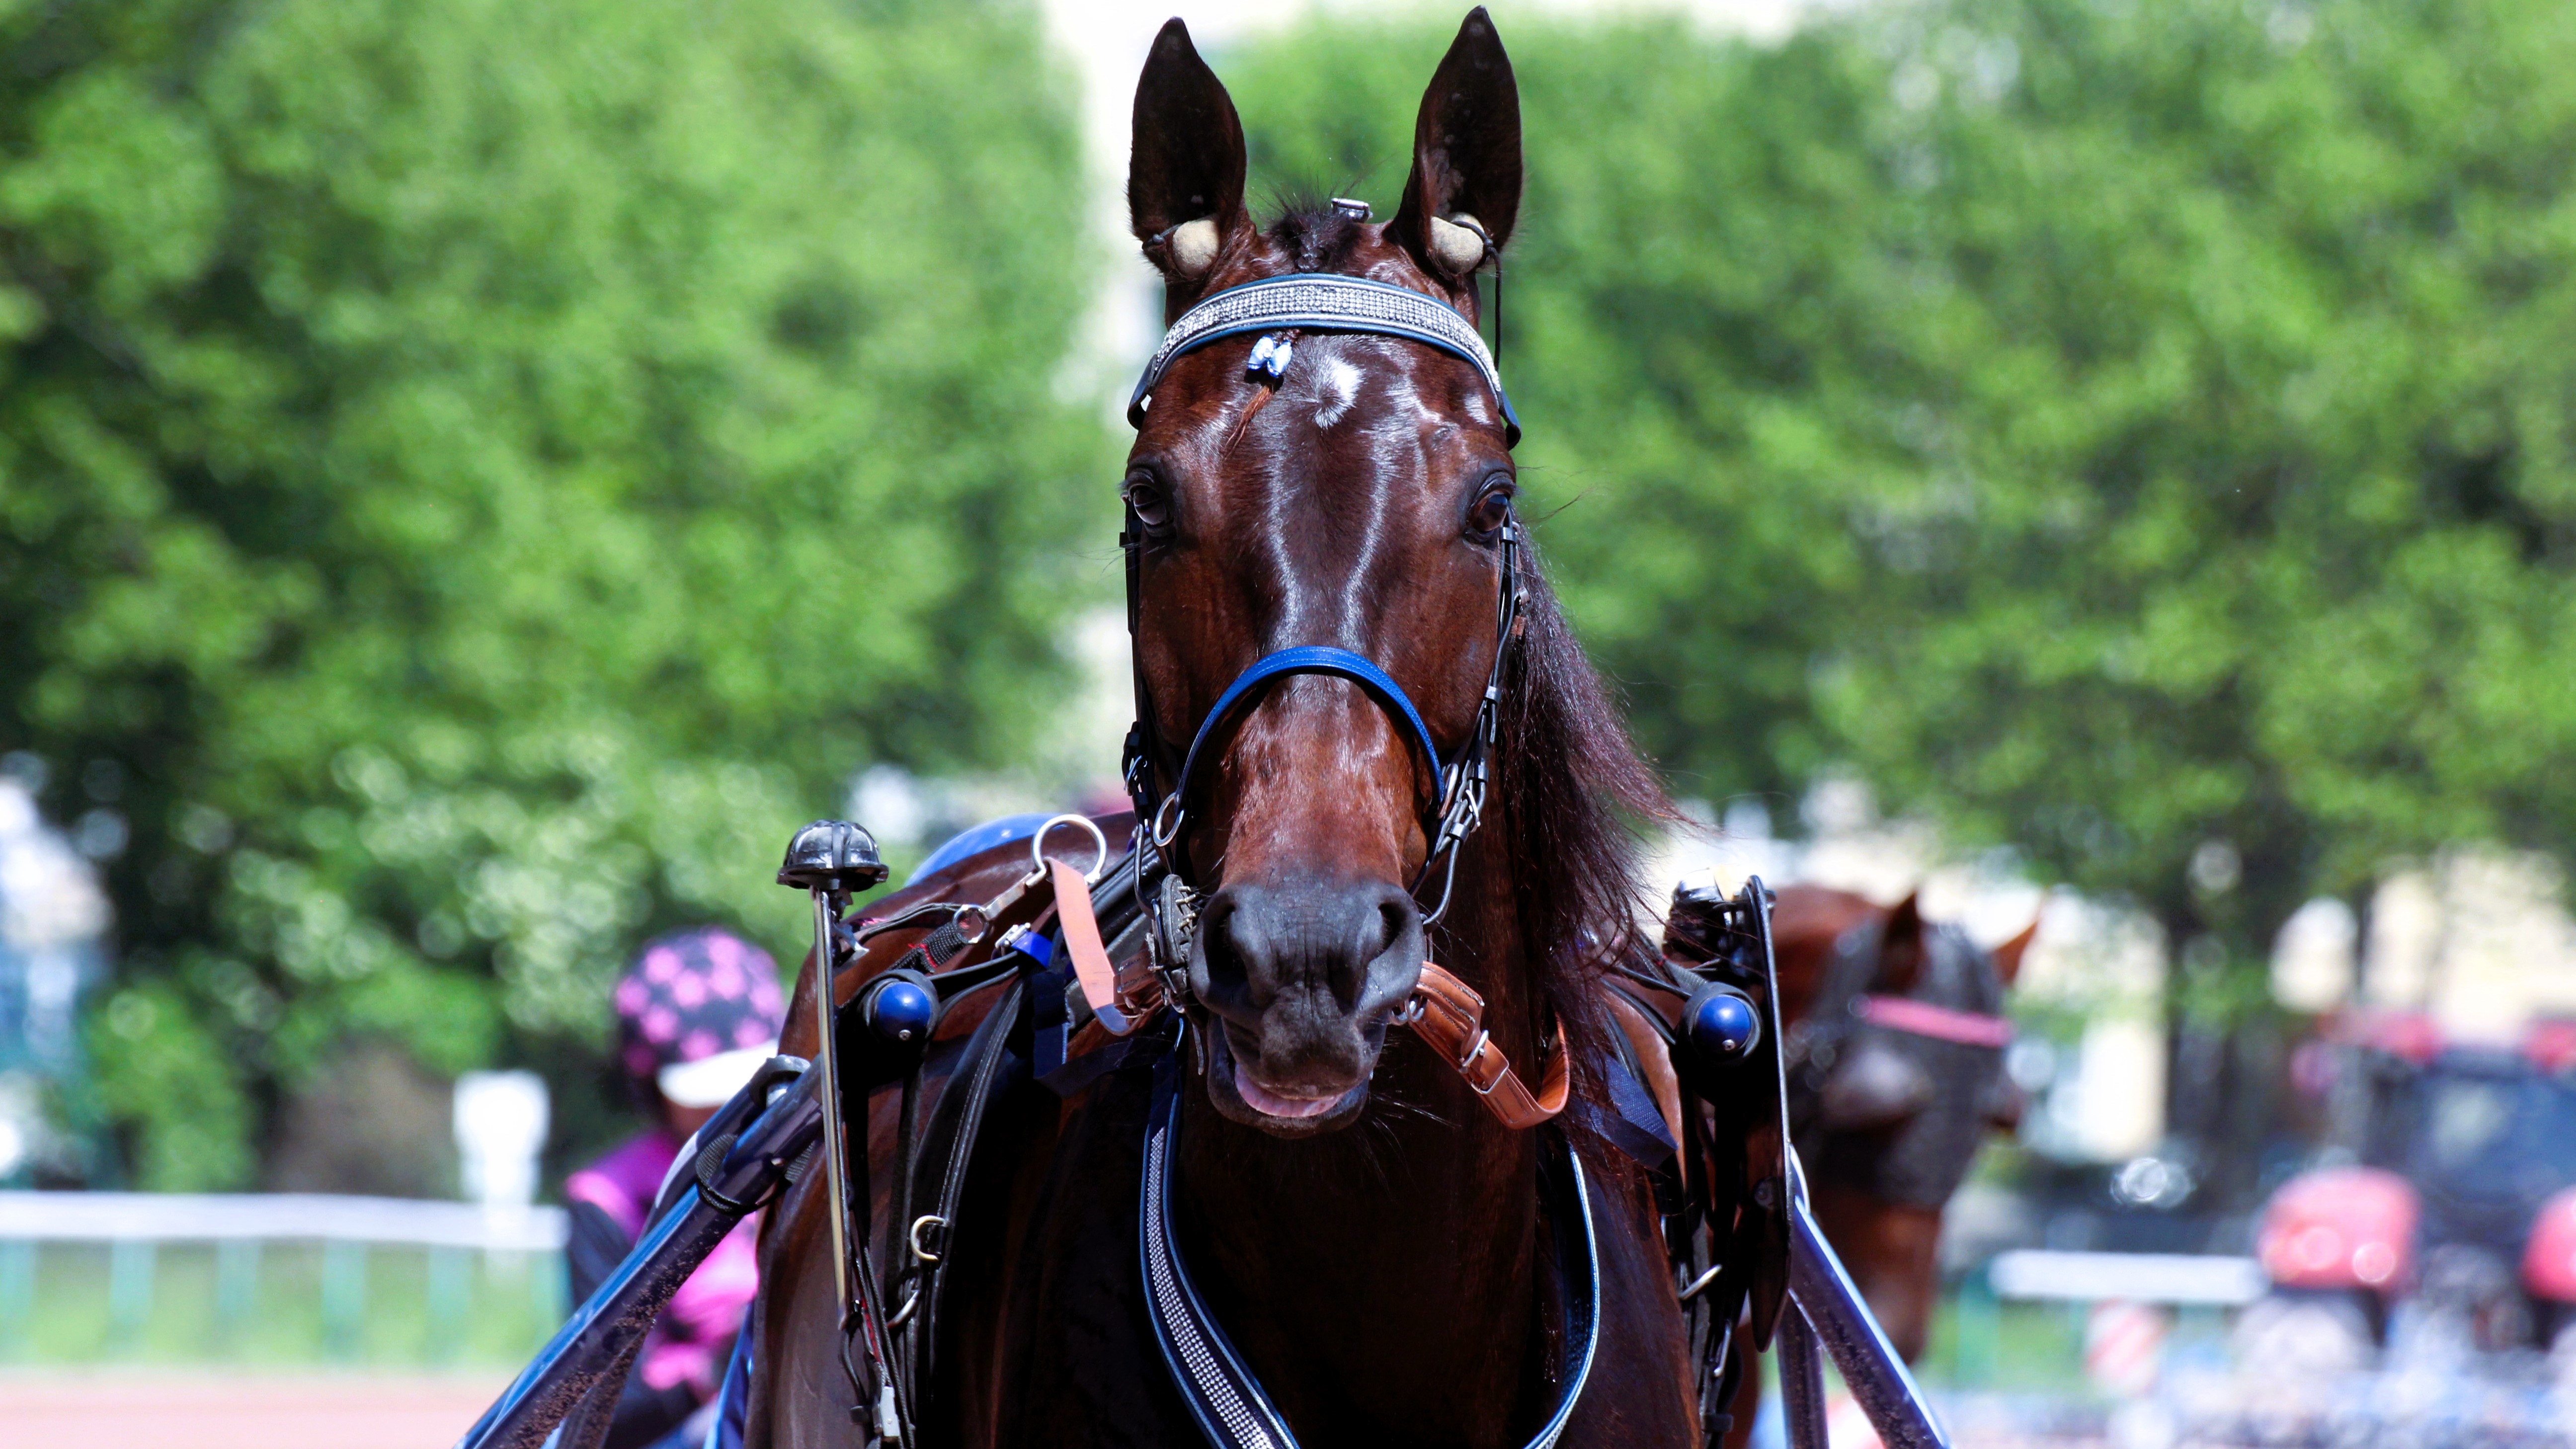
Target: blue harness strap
<point>1309,659</point>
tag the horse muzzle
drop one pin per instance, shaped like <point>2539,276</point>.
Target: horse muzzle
<point>1299,981</point>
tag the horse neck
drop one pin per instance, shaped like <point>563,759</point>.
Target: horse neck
<point>1384,1274</point>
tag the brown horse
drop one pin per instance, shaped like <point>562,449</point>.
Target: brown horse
<point>1370,1235</point>
<point>1892,1122</point>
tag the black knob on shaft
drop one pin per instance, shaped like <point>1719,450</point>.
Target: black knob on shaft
<point>832,855</point>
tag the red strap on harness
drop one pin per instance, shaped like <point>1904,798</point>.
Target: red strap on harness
<point>1940,1023</point>
<point>1082,942</point>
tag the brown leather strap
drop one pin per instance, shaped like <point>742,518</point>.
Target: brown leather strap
<point>1449,1016</point>
<point>1654,1058</point>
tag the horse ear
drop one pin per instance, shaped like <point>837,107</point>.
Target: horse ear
<point>1465,189</point>
<point>1185,170</point>
<point>1900,947</point>
<point>2008,955</point>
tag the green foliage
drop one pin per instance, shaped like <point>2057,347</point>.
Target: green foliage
<point>2138,433</point>
<point>2261,519</point>
<point>474,476</point>
<point>1683,308</point>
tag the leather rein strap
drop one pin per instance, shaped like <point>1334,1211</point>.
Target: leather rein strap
<point>1449,1015</point>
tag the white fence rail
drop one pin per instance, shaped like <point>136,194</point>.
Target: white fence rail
<point>275,1217</point>
<point>520,1250</point>
<point>2135,1277</point>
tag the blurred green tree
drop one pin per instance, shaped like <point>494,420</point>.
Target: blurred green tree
<point>1689,316</point>
<point>473,476</point>
<point>2245,560</point>
<point>2136,433</point>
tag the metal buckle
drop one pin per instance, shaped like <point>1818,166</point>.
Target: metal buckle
<point>1100,843</point>
<point>1484,1039</point>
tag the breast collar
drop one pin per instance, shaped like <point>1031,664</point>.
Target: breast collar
<point>1221,1390</point>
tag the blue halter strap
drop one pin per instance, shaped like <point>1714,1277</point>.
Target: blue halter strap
<point>1307,659</point>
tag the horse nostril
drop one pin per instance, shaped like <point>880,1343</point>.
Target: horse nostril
<point>1383,928</point>
<point>1222,958</point>
<point>1258,943</point>
<point>1392,917</point>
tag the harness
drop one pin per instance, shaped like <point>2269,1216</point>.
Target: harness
<point>1223,1395</point>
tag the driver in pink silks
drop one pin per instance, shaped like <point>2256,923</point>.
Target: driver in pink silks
<point>697,1013</point>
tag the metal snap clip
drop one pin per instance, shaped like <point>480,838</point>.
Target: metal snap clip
<point>914,1237</point>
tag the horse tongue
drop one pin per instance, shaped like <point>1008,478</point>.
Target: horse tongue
<point>1270,1103</point>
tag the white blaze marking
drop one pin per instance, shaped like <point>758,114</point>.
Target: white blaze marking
<point>1337,386</point>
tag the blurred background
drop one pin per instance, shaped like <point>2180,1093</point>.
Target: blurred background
<point>475,476</point>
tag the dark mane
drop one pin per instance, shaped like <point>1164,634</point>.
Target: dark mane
<point>1571,793</point>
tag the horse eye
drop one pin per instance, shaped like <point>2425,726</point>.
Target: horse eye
<point>1145,495</point>
<point>1493,509</point>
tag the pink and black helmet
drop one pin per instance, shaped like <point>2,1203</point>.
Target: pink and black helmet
<point>697,1013</point>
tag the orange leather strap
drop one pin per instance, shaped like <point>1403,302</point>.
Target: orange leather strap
<point>1081,930</point>
<point>1449,1016</point>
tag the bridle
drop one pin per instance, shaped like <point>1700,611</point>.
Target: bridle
<point>1276,307</point>
<point>1220,1390</point>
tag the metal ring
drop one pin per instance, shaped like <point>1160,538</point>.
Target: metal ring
<point>1700,1282</point>
<point>1099,862</point>
<point>1165,832</point>
<point>914,1237</point>
<point>900,1314</point>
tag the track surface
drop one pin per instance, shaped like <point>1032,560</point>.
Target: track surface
<point>141,1410</point>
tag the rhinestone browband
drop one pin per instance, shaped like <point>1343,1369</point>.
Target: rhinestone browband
<point>1324,302</point>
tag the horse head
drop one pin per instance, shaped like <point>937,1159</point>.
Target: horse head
<point>1355,495</point>
<point>1890,1100</point>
